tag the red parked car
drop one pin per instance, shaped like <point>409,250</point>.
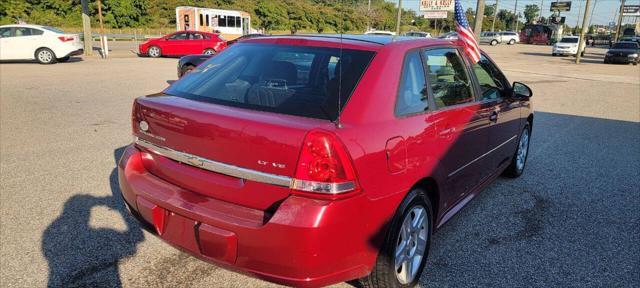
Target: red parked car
<point>311,160</point>
<point>183,43</point>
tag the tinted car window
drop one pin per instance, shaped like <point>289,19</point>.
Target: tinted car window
<point>5,32</point>
<point>277,78</point>
<point>625,46</point>
<point>21,31</point>
<point>569,40</point>
<point>179,36</point>
<point>196,36</point>
<point>36,32</point>
<point>448,77</point>
<point>491,80</point>
<point>412,93</point>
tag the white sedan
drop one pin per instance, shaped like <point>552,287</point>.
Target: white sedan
<point>45,44</point>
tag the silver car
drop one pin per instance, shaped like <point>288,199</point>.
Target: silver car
<point>491,38</point>
<point>509,37</point>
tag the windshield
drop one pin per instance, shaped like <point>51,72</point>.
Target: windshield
<point>625,46</point>
<point>569,40</point>
<point>52,29</point>
<point>294,80</point>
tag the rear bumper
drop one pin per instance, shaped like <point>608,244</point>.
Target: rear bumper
<point>75,53</point>
<point>302,242</point>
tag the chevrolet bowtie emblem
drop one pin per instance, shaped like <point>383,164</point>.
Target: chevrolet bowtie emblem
<point>195,161</point>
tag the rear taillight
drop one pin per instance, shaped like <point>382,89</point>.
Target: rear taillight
<point>324,166</point>
<point>65,38</point>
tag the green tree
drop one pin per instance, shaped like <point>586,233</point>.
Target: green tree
<point>271,15</point>
<point>12,11</point>
<point>530,12</point>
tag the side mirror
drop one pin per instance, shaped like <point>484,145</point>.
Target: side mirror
<point>521,90</point>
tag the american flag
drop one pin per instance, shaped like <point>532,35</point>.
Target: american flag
<point>465,34</point>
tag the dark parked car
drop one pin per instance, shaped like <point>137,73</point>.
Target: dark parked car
<point>623,52</point>
<point>242,38</point>
<point>312,160</point>
<point>189,62</point>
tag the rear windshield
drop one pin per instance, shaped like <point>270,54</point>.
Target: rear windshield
<point>625,46</point>
<point>52,29</point>
<point>294,80</point>
<point>569,40</point>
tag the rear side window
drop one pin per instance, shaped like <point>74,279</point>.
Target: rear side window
<point>412,93</point>
<point>295,80</point>
<point>448,77</point>
<point>21,31</point>
<point>36,32</point>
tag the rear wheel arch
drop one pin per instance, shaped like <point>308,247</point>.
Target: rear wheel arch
<point>430,186</point>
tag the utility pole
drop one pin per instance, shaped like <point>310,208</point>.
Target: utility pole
<point>86,29</point>
<point>585,21</point>
<point>515,15</point>
<point>477,23</point>
<point>399,16</point>
<point>579,12</point>
<point>619,21</point>
<point>540,13</point>
<point>594,9</point>
<point>495,13</point>
<point>103,44</point>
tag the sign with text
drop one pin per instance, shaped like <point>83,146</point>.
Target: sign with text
<point>631,10</point>
<point>437,5</point>
<point>560,6</point>
<point>435,14</point>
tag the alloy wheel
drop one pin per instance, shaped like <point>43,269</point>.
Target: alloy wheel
<point>523,148</point>
<point>154,52</point>
<point>45,56</point>
<point>411,244</point>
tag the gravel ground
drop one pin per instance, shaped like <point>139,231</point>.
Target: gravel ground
<point>572,220</point>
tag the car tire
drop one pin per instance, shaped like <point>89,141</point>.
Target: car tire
<point>209,51</point>
<point>45,56</point>
<point>186,69</point>
<point>493,43</point>
<point>554,54</point>
<point>512,42</point>
<point>413,244</point>
<point>154,52</point>
<point>519,159</point>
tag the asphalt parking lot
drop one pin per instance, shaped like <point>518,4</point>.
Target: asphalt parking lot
<point>572,220</point>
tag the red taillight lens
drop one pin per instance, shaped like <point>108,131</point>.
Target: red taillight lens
<point>324,166</point>
<point>65,38</point>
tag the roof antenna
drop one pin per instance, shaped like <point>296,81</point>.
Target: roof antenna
<point>341,62</point>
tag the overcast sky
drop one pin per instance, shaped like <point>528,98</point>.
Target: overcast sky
<point>605,10</point>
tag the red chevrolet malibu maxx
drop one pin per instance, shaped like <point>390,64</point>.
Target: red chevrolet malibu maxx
<point>183,43</point>
<point>311,160</point>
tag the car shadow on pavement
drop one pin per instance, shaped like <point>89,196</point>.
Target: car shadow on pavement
<point>80,255</point>
<point>74,59</point>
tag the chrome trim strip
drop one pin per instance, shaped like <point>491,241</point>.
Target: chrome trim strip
<point>215,166</point>
<point>481,156</point>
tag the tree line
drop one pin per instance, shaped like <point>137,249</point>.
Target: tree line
<point>268,15</point>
